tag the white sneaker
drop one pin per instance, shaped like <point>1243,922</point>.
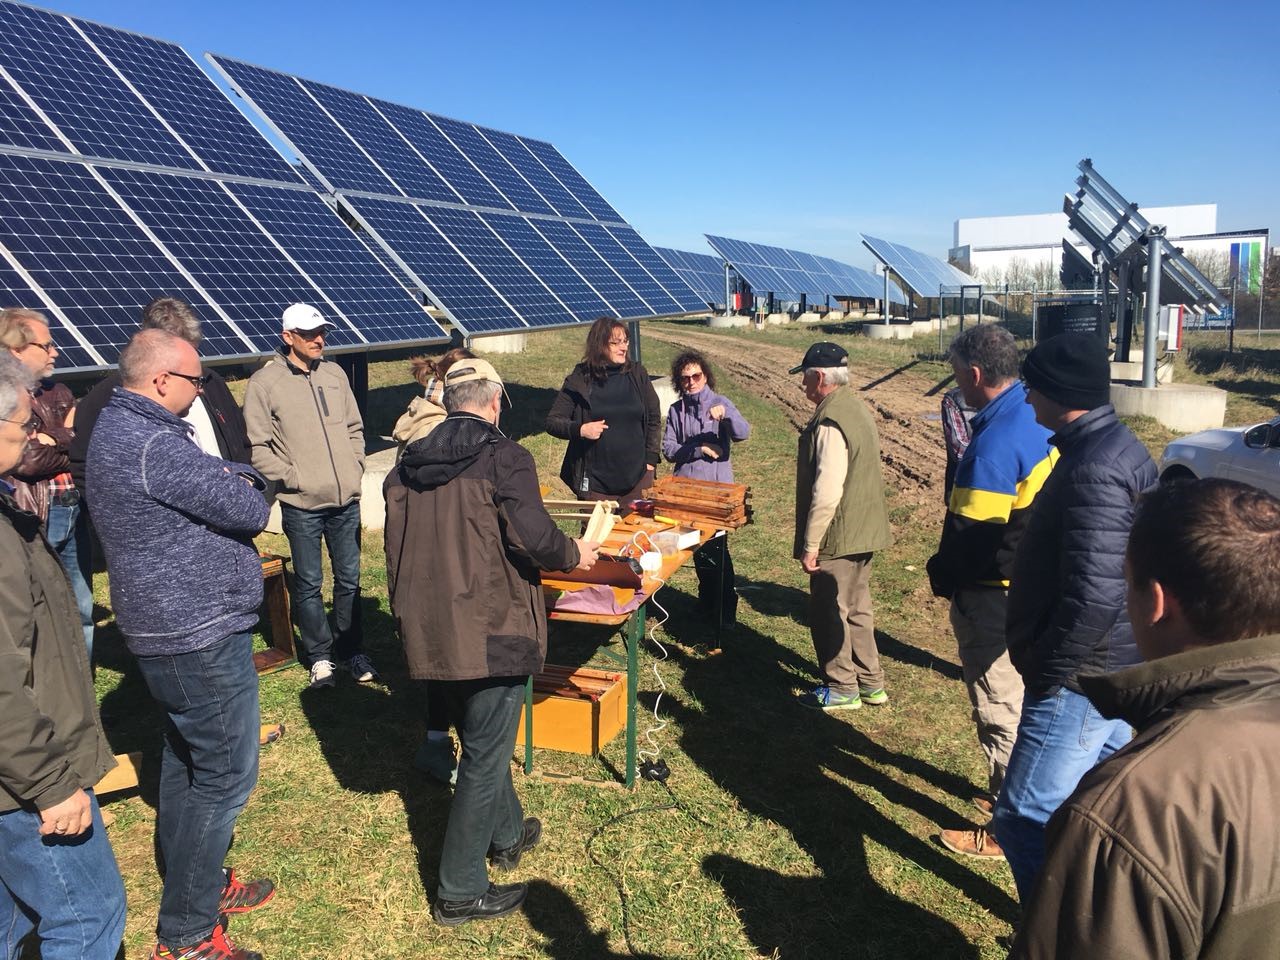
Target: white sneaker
<point>322,674</point>
<point>362,668</point>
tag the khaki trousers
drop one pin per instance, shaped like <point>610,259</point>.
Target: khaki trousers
<point>841,625</point>
<point>995,688</point>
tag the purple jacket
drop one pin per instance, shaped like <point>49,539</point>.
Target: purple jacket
<point>690,427</point>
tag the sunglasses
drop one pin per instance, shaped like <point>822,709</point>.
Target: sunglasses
<point>692,377</point>
<point>197,382</point>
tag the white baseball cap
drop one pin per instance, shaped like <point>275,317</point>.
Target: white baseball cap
<point>303,316</point>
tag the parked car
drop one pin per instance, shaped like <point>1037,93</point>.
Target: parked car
<point>1248,454</point>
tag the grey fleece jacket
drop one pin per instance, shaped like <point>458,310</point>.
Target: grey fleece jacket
<point>306,433</point>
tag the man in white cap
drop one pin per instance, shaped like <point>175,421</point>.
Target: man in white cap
<point>308,436</point>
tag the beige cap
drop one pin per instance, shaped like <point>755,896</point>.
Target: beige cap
<point>303,316</point>
<point>465,371</point>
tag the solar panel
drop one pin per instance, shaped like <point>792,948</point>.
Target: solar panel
<point>21,126</point>
<point>515,152</point>
<point>702,272</point>
<point>574,182</point>
<point>549,265</point>
<point>626,303</point>
<point>493,166</point>
<point>788,274</point>
<point>16,292</point>
<point>656,267</point>
<point>924,274</point>
<point>611,248</point>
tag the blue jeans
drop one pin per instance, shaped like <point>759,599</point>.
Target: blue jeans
<point>68,532</point>
<point>207,771</point>
<point>340,529</point>
<point>1061,736</point>
<point>67,890</point>
<point>485,811</point>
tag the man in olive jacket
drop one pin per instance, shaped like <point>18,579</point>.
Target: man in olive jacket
<point>58,875</point>
<point>308,437</point>
<point>1171,847</point>
<point>466,536</point>
<point>841,521</point>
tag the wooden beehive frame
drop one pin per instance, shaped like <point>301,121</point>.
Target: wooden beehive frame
<point>599,515</point>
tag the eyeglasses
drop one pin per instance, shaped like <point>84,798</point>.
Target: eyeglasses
<point>49,347</point>
<point>197,382</point>
<point>30,425</point>
<point>692,377</point>
<point>620,343</point>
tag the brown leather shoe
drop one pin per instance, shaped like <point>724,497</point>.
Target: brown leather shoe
<point>972,843</point>
<point>986,805</point>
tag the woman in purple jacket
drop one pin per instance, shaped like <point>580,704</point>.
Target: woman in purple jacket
<point>702,427</point>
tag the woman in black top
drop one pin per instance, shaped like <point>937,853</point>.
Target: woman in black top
<point>608,411</point>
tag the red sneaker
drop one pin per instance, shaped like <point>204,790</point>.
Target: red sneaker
<point>217,947</point>
<point>240,897</point>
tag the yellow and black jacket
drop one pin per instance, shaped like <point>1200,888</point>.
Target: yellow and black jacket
<point>1004,467</point>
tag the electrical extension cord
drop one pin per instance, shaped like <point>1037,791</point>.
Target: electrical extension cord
<point>655,770</point>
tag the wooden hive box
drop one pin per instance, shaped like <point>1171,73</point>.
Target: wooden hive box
<point>576,710</point>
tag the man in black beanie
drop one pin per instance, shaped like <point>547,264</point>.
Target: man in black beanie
<point>1066,611</point>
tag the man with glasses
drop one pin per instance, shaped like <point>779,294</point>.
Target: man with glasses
<point>308,437</point>
<point>177,527</point>
<point>43,481</point>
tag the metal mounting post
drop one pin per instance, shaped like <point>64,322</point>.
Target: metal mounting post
<point>1155,251</point>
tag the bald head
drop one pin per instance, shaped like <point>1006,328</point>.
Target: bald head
<point>165,368</point>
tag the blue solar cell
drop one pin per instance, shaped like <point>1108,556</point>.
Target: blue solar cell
<point>81,95</point>
<point>551,189</point>
<point>453,283</point>
<point>607,246</point>
<point>573,181</point>
<point>192,105</point>
<point>519,287</point>
<point>14,292</point>
<point>493,165</point>
<point>675,288</point>
<point>307,128</point>
<point>370,129</point>
<point>549,265</point>
<point>90,258</point>
<point>620,296</point>
<point>224,251</point>
<point>331,254</point>
<point>704,274</point>
<point>919,271</point>
<point>20,126</point>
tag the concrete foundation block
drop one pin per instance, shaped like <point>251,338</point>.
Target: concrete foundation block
<point>809,317</point>
<point>502,343</point>
<point>1132,371</point>
<point>888,331</point>
<point>922,326</point>
<point>666,391</point>
<point>777,318</point>
<point>1184,407</point>
<point>722,323</point>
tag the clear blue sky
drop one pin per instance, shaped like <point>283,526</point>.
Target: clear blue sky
<point>804,123</point>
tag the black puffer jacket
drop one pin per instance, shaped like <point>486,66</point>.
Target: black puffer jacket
<point>1066,594</point>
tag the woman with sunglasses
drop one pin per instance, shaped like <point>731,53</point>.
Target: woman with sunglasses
<point>702,427</point>
<point>609,413</point>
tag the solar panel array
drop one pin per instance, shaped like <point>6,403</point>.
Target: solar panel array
<point>924,274</point>
<point>701,271</point>
<point>500,231</point>
<point>125,173</point>
<point>789,274</point>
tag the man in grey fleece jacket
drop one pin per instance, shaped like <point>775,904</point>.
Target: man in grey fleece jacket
<point>307,434</point>
<point>176,527</point>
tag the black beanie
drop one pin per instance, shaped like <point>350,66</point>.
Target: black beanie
<point>1072,369</point>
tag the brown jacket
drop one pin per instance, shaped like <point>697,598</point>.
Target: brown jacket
<point>466,535</point>
<point>41,462</point>
<point>53,743</point>
<point>1170,848</point>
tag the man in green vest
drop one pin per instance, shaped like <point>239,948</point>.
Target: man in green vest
<point>841,521</point>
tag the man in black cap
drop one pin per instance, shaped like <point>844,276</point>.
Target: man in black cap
<point>1066,610</point>
<point>841,520</point>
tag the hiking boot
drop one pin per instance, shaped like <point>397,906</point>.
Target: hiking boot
<point>497,901</point>
<point>361,668</point>
<point>240,897</point>
<point>873,698</point>
<point>437,760</point>
<point>824,698</point>
<point>509,858</point>
<point>322,674</point>
<point>972,843</point>
<point>216,947</point>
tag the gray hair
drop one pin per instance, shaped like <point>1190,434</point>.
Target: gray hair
<point>148,353</point>
<point>990,348</point>
<point>174,316</point>
<point>832,376</point>
<point>473,395</point>
<point>15,380</point>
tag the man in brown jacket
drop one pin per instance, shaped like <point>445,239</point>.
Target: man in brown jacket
<point>466,536</point>
<point>841,520</point>
<point>1171,847</point>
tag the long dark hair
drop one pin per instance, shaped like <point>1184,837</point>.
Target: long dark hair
<point>686,358</point>
<point>596,354</point>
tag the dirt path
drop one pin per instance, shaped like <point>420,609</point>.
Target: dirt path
<point>910,445</point>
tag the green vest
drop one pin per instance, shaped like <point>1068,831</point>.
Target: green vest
<point>861,522</point>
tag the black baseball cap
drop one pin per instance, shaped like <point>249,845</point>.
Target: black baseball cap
<point>823,354</point>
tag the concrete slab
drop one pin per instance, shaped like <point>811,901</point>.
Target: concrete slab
<point>890,331</point>
<point>1132,371</point>
<point>502,343</point>
<point>922,326</point>
<point>722,323</point>
<point>809,317</point>
<point>1184,407</point>
<point>777,318</point>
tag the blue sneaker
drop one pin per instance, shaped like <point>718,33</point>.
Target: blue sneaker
<point>824,698</point>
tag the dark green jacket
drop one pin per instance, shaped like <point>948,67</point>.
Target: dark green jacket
<point>861,522</point>
<point>1170,848</point>
<point>51,741</point>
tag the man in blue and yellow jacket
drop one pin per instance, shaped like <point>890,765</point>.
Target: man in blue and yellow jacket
<point>1007,461</point>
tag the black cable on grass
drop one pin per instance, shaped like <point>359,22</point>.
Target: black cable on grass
<point>675,804</point>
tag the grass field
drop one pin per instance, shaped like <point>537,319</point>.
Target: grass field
<point>784,834</point>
